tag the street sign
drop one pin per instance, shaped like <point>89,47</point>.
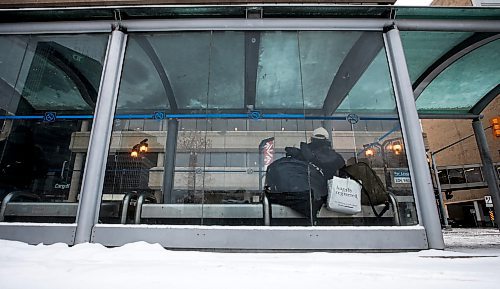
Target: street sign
<point>488,201</point>
<point>401,177</point>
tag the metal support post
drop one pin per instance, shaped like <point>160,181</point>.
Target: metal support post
<point>488,168</point>
<point>444,213</point>
<point>410,126</point>
<point>100,138</point>
<point>77,169</point>
<point>75,177</point>
<point>169,163</point>
<point>160,159</point>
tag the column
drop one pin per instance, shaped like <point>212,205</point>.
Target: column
<point>410,126</point>
<point>100,137</point>
<point>169,164</point>
<point>488,168</point>
<point>77,169</point>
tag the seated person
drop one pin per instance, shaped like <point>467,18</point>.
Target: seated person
<point>319,152</point>
<point>299,180</point>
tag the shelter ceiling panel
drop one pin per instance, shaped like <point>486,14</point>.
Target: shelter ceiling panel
<point>459,87</point>
<point>422,49</point>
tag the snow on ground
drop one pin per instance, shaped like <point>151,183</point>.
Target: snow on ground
<point>473,240</point>
<point>472,259</point>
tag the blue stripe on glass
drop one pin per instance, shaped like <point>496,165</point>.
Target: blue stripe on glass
<point>203,116</point>
<point>41,117</point>
<point>75,116</point>
<point>133,116</point>
<point>208,115</point>
<point>21,117</point>
<point>379,118</point>
<point>283,116</point>
<point>208,170</point>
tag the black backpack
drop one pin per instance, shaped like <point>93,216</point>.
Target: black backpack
<point>299,180</point>
<point>374,192</point>
<point>296,184</point>
<point>292,175</point>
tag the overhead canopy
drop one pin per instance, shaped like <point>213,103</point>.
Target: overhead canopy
<point>310,72</point>
<point>452,73</point>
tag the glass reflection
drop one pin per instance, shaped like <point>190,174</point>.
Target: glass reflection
<point>218,109</point>
<point>48,87</point>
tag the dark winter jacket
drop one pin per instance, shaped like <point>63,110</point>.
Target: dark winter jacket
<point>320,153</point>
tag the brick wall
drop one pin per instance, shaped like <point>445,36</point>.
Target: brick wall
<point>443,132</point>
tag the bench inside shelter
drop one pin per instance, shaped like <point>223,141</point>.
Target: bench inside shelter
<point>134,208</point>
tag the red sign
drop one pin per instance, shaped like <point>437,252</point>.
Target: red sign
<point>268,153</point>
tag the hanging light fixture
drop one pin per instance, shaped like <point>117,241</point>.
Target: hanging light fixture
<point>134,153</point>
<point>370,152</point>
<point>397,148</point>
<point>143,146</point>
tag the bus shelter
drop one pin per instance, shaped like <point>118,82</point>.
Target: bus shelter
<point>157,123</point>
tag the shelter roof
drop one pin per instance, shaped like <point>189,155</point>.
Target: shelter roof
<point>454,70</point>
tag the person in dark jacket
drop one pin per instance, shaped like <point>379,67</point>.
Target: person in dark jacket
<point>320,152</point>
<point>300,179</point>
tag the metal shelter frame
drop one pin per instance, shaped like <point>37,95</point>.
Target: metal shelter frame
<point>426,235</point>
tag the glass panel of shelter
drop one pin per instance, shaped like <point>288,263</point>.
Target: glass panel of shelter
<point>162,76</point>
<point>479,68</point>
<point>373,139</point>
<point>279,105</point>
<point>423,48</point>
<point>48,91</point>
<point>239,99</point>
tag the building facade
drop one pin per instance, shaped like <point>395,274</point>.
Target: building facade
<point>461,178</point>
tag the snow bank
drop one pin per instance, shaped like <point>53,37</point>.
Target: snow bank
<point>143,265</point>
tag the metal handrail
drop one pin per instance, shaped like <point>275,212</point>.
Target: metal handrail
<point>12,196</point>
<point>267,210</point>
<point>140,201</point>
<point>395,208</point>
<point>266,207</point>
<point>125,203</point>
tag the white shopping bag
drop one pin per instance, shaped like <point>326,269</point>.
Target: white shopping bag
<point>344,196</point>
